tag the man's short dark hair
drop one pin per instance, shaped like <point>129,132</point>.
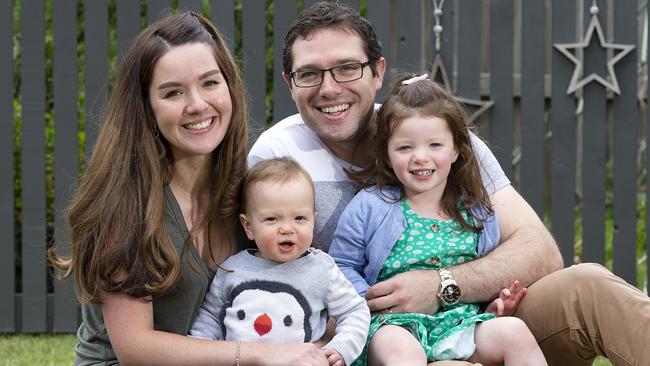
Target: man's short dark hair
<point>326,15</point>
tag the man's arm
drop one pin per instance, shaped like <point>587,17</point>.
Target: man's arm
<point>527,253</point>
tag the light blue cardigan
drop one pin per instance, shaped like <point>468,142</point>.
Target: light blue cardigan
<point>369,227</point>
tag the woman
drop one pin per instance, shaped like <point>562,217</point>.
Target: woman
<point>156,210</point>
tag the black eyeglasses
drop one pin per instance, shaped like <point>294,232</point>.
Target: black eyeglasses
<point>341,74</point>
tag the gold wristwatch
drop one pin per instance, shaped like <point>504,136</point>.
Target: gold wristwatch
<point>448,292</point>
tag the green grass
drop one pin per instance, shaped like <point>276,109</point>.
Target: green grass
<point>43,349</point>
<point>600,361</point>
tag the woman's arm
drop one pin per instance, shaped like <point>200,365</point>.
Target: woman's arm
<point>129,322</point>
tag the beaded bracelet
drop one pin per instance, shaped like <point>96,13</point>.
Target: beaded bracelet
<point>237,350</point>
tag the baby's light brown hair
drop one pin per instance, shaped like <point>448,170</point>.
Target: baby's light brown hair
<point>274,170</point>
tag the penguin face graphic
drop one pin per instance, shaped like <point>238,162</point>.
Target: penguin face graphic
<point>269,312</point>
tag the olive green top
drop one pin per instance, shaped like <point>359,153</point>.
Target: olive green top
<point>172,312</point>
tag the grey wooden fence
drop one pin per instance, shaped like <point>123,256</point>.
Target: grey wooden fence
<point>579,159</point>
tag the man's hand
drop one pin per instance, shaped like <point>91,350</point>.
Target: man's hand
<point>409,292</point>
<point>508,300</point>
<point>333,358</point>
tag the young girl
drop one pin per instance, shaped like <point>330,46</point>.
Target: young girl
<point>424,207</point>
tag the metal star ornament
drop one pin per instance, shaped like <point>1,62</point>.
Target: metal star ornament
<point>439,75</point>
<point>439,72</point>
<point>611,83</point>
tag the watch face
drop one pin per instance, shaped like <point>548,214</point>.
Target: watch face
<point>450,294</point>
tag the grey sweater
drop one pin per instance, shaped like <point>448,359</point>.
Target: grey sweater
<point>253,299</point>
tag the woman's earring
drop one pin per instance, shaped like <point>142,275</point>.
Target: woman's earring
<point>159,143</point>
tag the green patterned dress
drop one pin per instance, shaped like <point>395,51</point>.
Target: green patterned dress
<point>430,244</point>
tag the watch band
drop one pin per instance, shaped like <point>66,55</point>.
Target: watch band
<point>445,275</point>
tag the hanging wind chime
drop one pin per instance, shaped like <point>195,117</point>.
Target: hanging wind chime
<point>611,82</point>
<point>439,71</point>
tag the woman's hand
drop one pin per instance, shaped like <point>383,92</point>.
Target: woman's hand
<point>299,354</point>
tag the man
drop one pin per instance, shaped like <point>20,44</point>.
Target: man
<point>333,67</point>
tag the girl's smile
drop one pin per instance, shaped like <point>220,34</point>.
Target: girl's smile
<point>421,151</point>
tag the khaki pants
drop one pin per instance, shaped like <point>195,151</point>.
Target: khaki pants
<point>584,311</point>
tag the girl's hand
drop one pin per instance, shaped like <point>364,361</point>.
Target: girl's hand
<point>508,300</point>
<point>334,358</point>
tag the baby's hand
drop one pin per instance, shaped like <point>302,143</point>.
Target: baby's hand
<point>508,300</point>
<point>333,358</point>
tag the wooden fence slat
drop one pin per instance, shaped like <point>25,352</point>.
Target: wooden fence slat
<point>563,141</point>
<point>469,50</point>
<point>254,70</point>
<point>8,256</point>
<point>532,168</point>
<point>284,13</point>
<point>308,3</point>
<point>223,17</point>
<point>593,174</point>
<point>65,147</point>
<point>34,267</point>
<point>408,39</point>
<point>468,56</point>
<point>594,142</point>
<point>128,24</point>
<point>625,143</point>
<point>501,83</point>
<point>96,67</point>
<point>195,5</point>
<point>156,9</point>
<point>447,21</point>
<point>354,4</point>
<point>379,16</point>
<point>446,51</point>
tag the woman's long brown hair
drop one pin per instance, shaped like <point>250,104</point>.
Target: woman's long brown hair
<point>426,98</point>
<point>117,217</point>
